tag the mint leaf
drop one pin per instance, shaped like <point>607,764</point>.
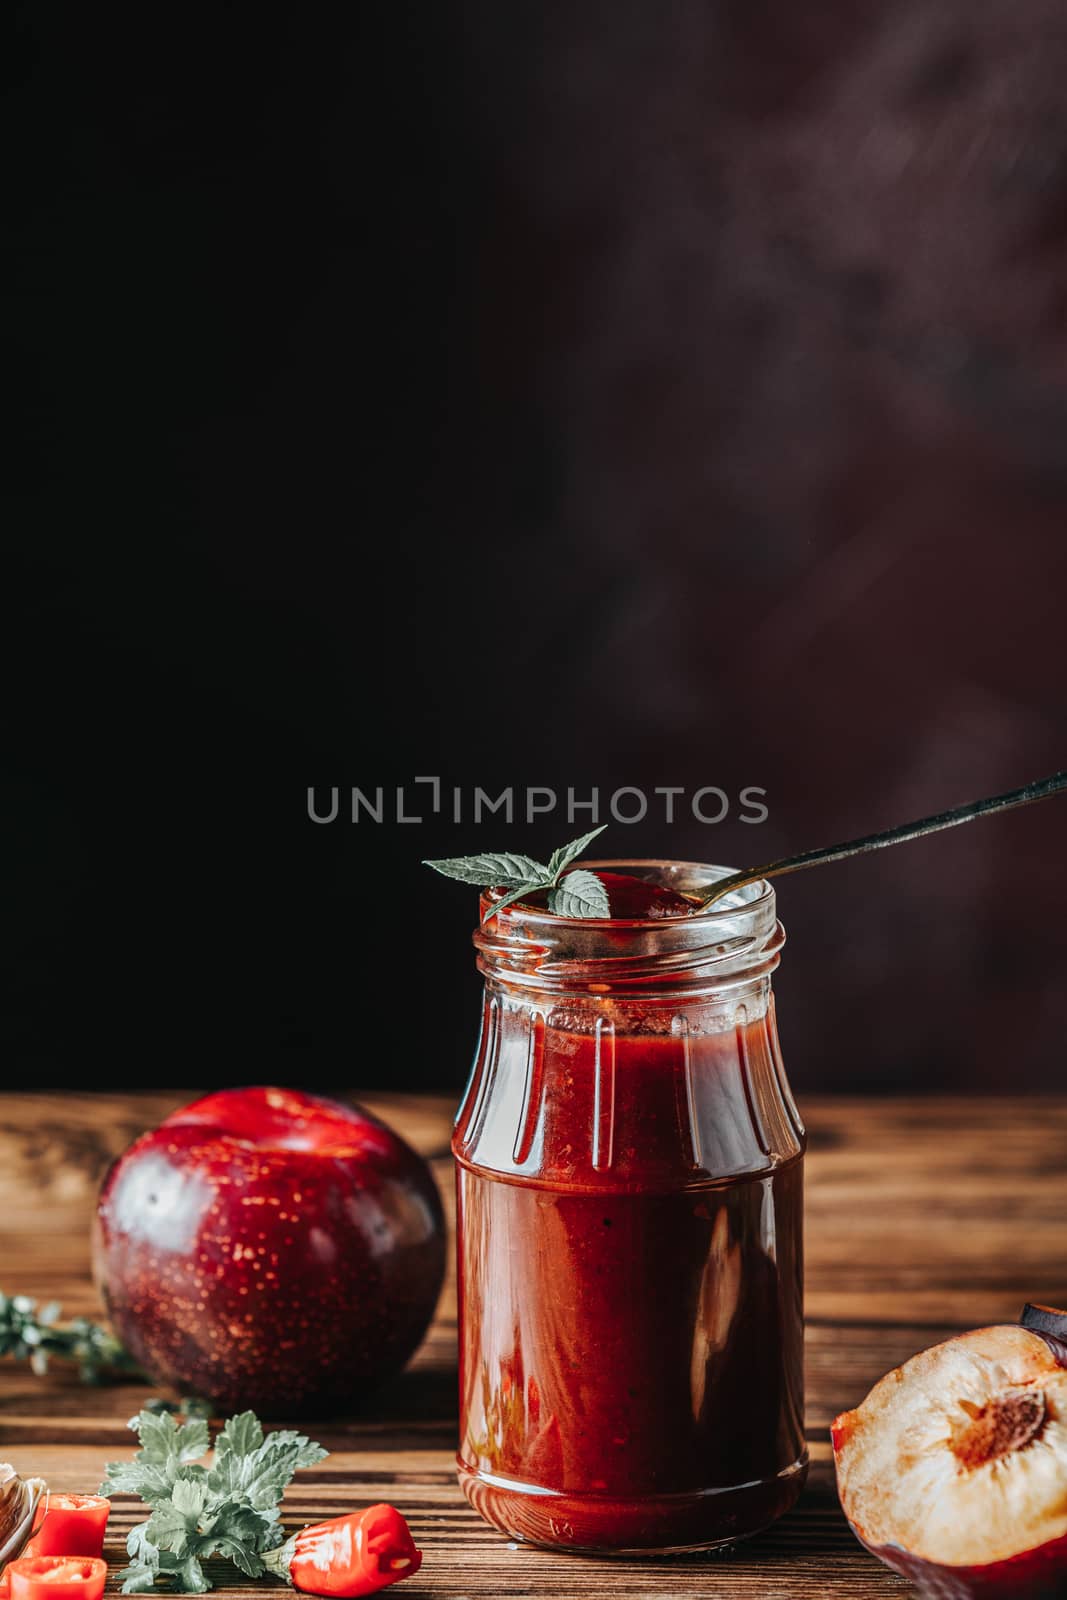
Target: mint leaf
<point>502,870</point>
<point>521,876</point>
<point>166,1451</point>
<point>169,1528</point>
<point>253,1530</point>
<point>152,1484</point>
<point>163,1442</point>
<point>562,858</point>
<point>579,894</point>
<point>140,1578</point>
<point>247,1560</point>
<point>190,1576</point>
<point>267,1473</point>
<point>240,1436</point>
<point>139,1547</point>
<point>189,1498</point>
<point>260,1477</point>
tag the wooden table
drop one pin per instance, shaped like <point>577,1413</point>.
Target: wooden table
<point>924,1217</point>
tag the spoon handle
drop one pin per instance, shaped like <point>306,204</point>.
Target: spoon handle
<point>1025,796</point>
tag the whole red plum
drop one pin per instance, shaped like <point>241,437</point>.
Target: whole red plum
<point>270,1249</point>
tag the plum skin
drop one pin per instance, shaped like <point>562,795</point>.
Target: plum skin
<point>1039,1574</point>
<point>272,1250</point>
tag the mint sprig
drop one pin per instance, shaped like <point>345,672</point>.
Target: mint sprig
<point>29,1331</point>
<point>579,894</point>
<point>229,1509</point>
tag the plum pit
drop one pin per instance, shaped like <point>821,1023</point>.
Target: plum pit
<point>1008,1422</point>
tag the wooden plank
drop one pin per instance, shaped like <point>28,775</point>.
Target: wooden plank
<point>923,1217</point>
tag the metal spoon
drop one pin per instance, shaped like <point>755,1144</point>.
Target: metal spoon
<point>1040,790</point>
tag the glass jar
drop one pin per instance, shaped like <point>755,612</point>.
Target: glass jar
<point>629,1163</point>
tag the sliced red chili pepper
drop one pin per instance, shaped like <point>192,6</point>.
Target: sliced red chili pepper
<point>57,1577</point>
<point>348,1556</point>
<point>69,1525</point>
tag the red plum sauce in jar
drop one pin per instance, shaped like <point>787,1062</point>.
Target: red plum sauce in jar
<point>629,1167</point>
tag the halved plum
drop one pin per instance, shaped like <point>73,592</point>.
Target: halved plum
<point>953,1471</point>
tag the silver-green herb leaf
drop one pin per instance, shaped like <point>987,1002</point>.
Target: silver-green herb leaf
<point>522,875</point>
<point>579,894</point>
<point>561,859</point>
<point>33,1333</point>
<point>499,870</point>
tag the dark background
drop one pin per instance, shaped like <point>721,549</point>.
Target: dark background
<point>529,394</point>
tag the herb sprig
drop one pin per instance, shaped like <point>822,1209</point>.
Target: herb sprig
<point>579,894</point>
<point>34,1333</point>
<point>229,1509</point>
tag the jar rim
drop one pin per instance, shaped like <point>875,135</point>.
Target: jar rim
<point>751,897</point>
<point>739,934</point>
